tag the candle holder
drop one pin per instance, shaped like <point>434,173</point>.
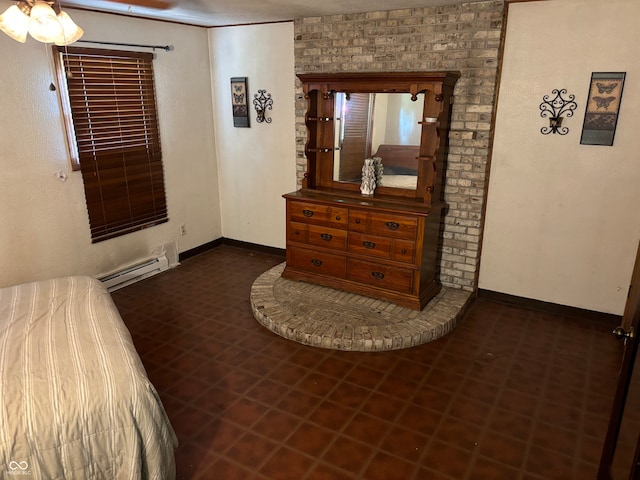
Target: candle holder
<point>261,102</point>
<point>554,109</point>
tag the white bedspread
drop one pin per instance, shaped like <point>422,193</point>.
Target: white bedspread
<point>75,400</point>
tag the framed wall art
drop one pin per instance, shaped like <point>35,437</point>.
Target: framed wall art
<point>603,105</point>
<point>239,96</point>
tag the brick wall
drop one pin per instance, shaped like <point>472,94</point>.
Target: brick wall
<point>462,37</point>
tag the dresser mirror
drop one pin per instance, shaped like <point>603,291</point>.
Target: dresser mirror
<point>400,117</point>
<point>383,125</point>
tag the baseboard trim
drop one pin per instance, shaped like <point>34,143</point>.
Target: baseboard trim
<point>234,243</point>
<point>255,246</point>
<point>548,306</point>
<point>199,249</point>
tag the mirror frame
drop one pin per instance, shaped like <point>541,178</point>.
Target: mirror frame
<point>319,89</point>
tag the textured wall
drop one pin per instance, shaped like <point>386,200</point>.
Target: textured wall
<point>463,37</point>
<point>562,222</point>
<point>256,164</point>
<point>44,229</point>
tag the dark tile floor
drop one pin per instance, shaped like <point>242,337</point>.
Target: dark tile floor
<point>511,393</point>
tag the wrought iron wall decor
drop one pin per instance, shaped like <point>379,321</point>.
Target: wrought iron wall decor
<point>262,102</point>
<point>554,109</point>
<point>239,101</point>
<point>603,104</point>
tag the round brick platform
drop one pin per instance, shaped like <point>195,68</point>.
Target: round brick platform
<point>324,317</point>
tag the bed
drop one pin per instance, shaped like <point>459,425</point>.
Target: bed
<point>400,167</point>
<point>75,400</point>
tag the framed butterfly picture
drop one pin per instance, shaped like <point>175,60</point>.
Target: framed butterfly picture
<point>603,105</point>
<point>239,96</point>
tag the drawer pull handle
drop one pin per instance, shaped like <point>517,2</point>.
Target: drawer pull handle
<point>403,251</point>
<point>357,220</point>
<point>392,225</point>
<point>316,262</point>
<point>369,244</point>
<point>338,218</point>
<point>307,213</point>
<point>377,275</point>
<point>326,237</point>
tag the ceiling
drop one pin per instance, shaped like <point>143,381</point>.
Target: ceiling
<point>212,13</point>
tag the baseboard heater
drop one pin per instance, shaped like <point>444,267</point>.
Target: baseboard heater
<point>135,273</point>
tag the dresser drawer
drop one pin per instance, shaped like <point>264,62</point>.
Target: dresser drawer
<point>382,247</point>
<point>403,250</point>
<point>327,237</point>
<point>358,220</point>
<point>297,232</point>
<point>369,245</point>
<point>316,262</point>
<point>383,276</point>
<point>318,214</point>
<point>397,226</point>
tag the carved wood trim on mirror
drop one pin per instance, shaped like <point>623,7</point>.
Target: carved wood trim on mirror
<point>384,245</point>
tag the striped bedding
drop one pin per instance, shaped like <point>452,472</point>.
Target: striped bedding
<point>75,400</point>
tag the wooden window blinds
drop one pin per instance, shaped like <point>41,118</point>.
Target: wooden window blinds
<point>355,141</point>
<point>112,127</point>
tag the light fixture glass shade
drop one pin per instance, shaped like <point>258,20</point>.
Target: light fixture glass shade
<point>44,25</point>
<point>15,23</point>
<point>71,31</point>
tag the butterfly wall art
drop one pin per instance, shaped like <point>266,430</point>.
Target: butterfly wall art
<point>603,106</point>
<point>239,93</point>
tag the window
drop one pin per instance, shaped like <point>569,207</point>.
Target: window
<point>356,115</point>
<point>110,111</point>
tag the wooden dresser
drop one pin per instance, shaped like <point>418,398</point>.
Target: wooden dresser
<point>382,250</point>
<point>385,246</point>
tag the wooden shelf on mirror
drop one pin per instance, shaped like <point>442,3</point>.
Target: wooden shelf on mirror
<point>321,149</point>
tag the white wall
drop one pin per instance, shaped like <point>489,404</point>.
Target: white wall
<point>257,164</point>
<point>44,229</point>
<point>562,221</point>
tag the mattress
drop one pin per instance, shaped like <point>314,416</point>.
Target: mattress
<point>75,400</point>
<point>399,181</point>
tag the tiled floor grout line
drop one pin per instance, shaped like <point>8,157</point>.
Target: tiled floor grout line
<point>499,392</point>
<point>348,421</point>
<point>467,375</point>
<point>445,413</point>
<point>293,387</point>
<point>585,401</point>
<point>238,346</point>
<point>377,447</point>
<point>537,414</point>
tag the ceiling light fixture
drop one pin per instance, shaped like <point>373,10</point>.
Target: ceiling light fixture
<point>39,19</point>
